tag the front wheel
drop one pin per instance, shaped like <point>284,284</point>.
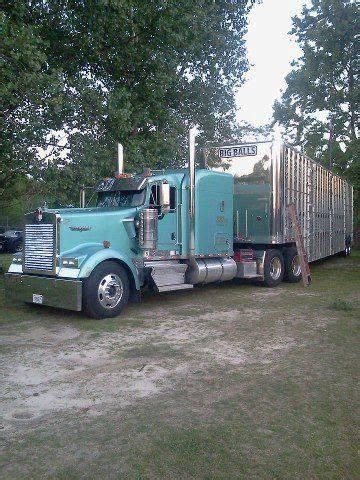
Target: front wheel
<point>106,291</point>
<point>273,268</point>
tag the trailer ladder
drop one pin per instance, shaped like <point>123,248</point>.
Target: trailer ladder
<point>299,239</point>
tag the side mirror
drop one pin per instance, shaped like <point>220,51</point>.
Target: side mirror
<point>165,197</point>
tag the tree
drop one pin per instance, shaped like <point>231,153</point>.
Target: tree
<point>82,75</point>
<point>26,86</point>
<point>320,106</point>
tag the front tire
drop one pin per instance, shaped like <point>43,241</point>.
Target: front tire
<point>292,265</point>
<point>273,268</point>
<point>106,291</point>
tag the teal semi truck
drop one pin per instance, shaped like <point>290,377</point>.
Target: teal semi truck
<point>173,229</point>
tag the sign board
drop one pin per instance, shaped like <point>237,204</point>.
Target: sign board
<point>238,151</point>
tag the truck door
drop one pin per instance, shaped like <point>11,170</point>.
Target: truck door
<point>167,225</point>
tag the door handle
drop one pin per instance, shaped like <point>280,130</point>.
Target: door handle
<point>173,236</point>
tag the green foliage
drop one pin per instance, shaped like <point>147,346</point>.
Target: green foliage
<point>322,95</point>
<point>82,75</point>
<point>22,195</point>
<point>26,89</point>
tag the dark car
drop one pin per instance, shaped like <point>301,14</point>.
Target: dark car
<point>11,241</point>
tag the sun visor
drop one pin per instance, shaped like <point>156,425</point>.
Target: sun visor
<point>134,183</point>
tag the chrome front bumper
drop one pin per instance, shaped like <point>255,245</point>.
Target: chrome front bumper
<point>53,292</point>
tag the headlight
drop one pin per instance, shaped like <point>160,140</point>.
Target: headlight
<point>70,262</point>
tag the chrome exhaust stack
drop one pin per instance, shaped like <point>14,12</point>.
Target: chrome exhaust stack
<point>192,137</point>
<point>120,159</point>
<point>82,197</point>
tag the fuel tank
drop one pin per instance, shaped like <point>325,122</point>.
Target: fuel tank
<point>211,270</point>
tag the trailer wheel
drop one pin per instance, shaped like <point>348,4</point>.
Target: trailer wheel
<point>106,291</point>
<point>292,265</point>
<point>273,268</point>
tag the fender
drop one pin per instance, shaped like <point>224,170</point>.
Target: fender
<point>93,254</point>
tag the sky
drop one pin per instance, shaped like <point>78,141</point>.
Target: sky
<point>270,52</point>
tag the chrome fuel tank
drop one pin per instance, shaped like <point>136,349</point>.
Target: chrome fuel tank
<point>211,270</point>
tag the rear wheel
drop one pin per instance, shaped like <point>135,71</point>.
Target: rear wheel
<point>292,272</point>
<point>106,291</point>
<point>273,268</point>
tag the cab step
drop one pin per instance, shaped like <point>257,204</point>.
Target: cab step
<point>169,288</point>
<point>167,274</point>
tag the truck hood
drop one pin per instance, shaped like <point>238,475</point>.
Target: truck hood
<point>82,229</point>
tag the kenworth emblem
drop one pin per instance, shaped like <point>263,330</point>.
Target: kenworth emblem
<point>38,215</point>
<point>79,229</point>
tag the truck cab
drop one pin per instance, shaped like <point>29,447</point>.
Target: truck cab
<point>95,259</point>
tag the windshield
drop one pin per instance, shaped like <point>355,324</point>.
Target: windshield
<point>125,198</point>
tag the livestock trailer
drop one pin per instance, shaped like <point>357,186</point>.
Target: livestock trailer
<point>270,175</point>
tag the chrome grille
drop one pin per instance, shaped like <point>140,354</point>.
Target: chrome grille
<point>39,247</point>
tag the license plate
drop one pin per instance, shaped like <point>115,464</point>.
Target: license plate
<point>37,298</point>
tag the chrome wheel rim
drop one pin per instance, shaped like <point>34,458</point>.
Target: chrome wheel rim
<point>295,266</point>
<point>275,268</point>
<point>110,291</point>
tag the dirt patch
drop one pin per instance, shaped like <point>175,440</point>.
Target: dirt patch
<point>63,368</point>
<point>281,346</point>
<point>22,415</point>
<point>225,353</point>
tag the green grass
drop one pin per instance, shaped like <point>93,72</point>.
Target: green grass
<point>341,305</point>
<point>5,261</point>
